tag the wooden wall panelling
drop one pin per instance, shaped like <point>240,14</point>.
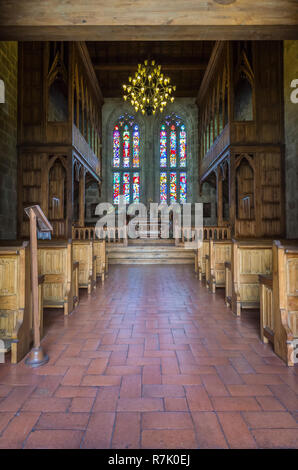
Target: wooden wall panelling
<point>46,137</point>
<point>257,135</point>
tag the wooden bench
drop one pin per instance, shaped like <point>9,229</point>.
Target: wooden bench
<point>205,234</point>
<point>83,252</point>
<point>285,301</point>
<point>266,308</point>
<point>100,253</point>
<point>249,260</point>
<point>55,262</point>
<point>15,300</point>
<point>219,253</point>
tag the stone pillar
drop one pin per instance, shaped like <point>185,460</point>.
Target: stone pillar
<point>291,138</point>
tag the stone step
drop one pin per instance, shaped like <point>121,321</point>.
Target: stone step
<point>151,261</point>
<point>151,241</point>
<point>150,254</point>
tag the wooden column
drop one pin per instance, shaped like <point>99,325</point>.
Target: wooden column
<point>233,195</point>
<point>219,197</point>
<point>82,198</point>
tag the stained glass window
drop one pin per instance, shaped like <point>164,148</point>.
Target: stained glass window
<point>163,146</point>
<point>173,160</point>
<point>116,147</point>
<point>136,147</point>
<point>182,146</point>
<point>173,144</point>
<point>163,187</point>
<point>173,187</point>
<point>126,159</point>
<point>183,187</point>
<point>126,147</point>
<point>126,187</point>
<point>136,187</point>
<point>116,188</point>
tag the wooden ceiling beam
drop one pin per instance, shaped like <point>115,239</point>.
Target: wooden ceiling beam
<point>143,13</point>
<point>133,20</point>
<point>146,33</point>
<point>113,67</point>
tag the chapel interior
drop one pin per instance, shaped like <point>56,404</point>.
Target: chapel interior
<point>142,333</point>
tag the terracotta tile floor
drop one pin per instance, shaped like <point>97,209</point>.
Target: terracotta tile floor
<point>151,360</point>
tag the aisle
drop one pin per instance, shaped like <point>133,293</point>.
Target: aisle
<point>151,360</point>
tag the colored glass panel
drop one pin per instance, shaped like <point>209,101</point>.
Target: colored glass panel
<point>136,187</point>
<point>182,144</point>
<point>116,188</point>
<point>163,146</point>
<point>126,187</point>
<point>183,187</point>
<point>163,187</point>
<point>126,147</point>
<point>136,148</point>
<point>116,147</point>
<point>173,187</point>
<point>173,146</point>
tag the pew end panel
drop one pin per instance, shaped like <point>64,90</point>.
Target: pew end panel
<point>100,253</point>
<point>75,285</point>
<point>266,308</point>
<point>15,300</point>
<point>83,253</point>
<point>55,262</point>
<point>202,251</point>
<point>249,260</point>
<point>228,283</point>
<point>219,253</point>
<point>285,302</point>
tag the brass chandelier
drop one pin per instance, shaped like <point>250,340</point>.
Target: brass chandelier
<point>149,90</point>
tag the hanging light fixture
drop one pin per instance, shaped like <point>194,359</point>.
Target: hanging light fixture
<point>149,90</point>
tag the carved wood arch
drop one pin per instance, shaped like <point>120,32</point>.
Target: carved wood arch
<point>245,187</point>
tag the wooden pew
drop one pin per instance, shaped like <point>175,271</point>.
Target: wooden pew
<point>205,234</point>
<point>285,301</point>
<point>266,308</point>
<point>219,253</point>
<point>250,258</point>
<point>83,252</point>
<point>100,253</point>
<point>15,300</point>
<point>55,262</point>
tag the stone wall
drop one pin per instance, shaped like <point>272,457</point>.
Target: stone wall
<point>8,141</point>
<point>291,138</point>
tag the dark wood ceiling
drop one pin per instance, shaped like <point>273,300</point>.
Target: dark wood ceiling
<point>183,61</point>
